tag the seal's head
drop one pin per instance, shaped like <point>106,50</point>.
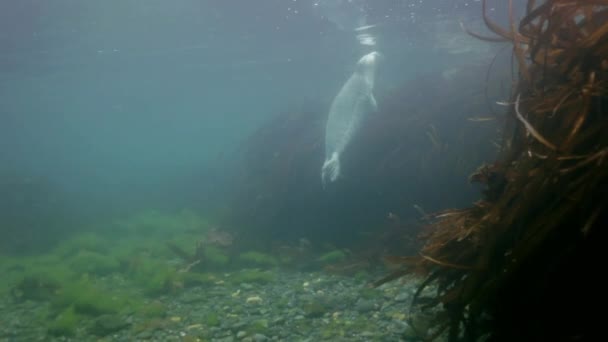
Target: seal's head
<point>368,64</point>
<point>371,58</point>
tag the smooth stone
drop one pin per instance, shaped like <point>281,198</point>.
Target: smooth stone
<point>402,297</point>
<point>239,325</point>
<point>226,339</point>
<point>108,324</point>
<point>190,298</point>
<point>278,321</point>
<point>144,335</point>
<point>260,338</point>
<point>365,305</point>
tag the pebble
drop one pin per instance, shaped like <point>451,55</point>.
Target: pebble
<point>239,325</point>
<point>402,297</point>
<point>278,320</point>
<point>260,338</point>
<point>248,313</point>
<point>254,300</point>
<point>144,335</point>
<point>364,306</point>
<point>246,286</point>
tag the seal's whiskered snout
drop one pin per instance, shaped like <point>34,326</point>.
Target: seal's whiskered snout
<point>369,63</point>
<point>372,58</point>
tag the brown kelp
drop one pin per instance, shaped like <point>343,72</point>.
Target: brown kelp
<point>524,262</point>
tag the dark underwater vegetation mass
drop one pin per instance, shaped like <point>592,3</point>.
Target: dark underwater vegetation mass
<point>160,165</point>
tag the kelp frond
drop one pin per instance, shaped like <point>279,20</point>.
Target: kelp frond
<point>499,267</point>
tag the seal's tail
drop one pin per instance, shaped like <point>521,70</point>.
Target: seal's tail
<point>331,169</point>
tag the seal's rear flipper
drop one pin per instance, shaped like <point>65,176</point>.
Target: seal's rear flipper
<point>331,169</point>
<point>373,104</point>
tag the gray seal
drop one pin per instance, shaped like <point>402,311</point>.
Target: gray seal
<point>348,109</point>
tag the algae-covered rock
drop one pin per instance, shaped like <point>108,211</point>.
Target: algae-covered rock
<point>108,324</point>
<point>212,320</point>
<point>154,309</point>
<point>315,308</point>
<point>190,279</point>
<point>215,257</point>
<point>362,276</point>
<point>160,282</point>
<point>370,293</point>
<point>335,330</point>
<point>65,324</point>
<point>252,276</point>
<point>333,257</point>
<point>259,326</point>
<point>154,277</point>
<point>38,278</point>
<point>90,242</point>
<point>257,259</point>
<point>37,287</point>
<point>87,299</point>
<point>93,263</point>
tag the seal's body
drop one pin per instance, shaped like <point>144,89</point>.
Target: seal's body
<point>348,109</point>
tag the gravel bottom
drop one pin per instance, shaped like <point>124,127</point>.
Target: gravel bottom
<point>295,307</point>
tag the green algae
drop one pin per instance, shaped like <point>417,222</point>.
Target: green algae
<point>88,299</point>
<point>86,262</point>
<point>107,324</point>
<point>370,293</point>
<point>212,320</point>
<point>153,309</point>
<point>215,258</point>
<point>190,279</point>
<point>258,326</point>
<point>154,277</point>
<point>257,259</point>
<point>90,242</point>
<point>39,280</point>
<point>315,308</point>
<point>251,276</point>
<point>333,257</point>
<point>65,323</point>
<point>76,276</point>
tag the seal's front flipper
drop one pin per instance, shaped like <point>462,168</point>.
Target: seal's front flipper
<point>331,169</point>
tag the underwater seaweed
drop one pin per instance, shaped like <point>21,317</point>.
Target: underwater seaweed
<point>522,263</point>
